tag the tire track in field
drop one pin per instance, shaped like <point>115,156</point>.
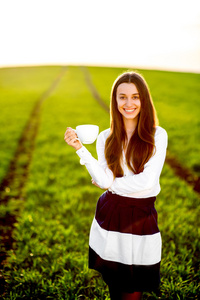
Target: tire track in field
<point>93,89</point>
<point>12,186</point>
<point>179,170</point>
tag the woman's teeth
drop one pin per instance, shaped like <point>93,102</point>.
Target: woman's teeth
<point>129,110</point>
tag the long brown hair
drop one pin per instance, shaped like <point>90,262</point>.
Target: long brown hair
<point>141,145</point>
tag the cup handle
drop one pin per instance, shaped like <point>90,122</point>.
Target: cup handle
<point>77,139</point>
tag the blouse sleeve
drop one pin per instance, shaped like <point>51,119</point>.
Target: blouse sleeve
<point>98,169</point>
<point>147,179</point>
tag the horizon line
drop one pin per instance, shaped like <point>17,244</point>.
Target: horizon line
<point>104,65</point>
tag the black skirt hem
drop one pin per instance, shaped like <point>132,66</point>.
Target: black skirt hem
<point>126,278</point>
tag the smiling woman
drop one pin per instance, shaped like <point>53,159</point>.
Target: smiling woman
<point>125,242</point>
<point>131,108</point>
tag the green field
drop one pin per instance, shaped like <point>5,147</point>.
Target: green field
<point>53,202</point>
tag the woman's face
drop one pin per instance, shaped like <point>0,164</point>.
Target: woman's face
<point>128,101</point>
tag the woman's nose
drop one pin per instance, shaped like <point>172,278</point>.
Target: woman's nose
<point>129,101</point>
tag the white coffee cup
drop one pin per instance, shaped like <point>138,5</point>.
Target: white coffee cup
<point>87,134</point>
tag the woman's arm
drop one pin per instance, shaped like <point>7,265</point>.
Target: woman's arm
<point>147,179</point>
<point>98,170</point>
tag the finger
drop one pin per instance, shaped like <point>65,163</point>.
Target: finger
<point>68,138</point>
<point>69,129</point>
<point>93,182</point>
<point>67,134</point>
<point>70,132</point>
<point>71,140</point>
<point>71,135</point>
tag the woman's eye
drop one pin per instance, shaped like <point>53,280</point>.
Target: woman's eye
<point>136,97</point>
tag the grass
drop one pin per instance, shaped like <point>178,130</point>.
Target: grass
<point>49,256</point>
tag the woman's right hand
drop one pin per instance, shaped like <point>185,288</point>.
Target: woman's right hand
<point>71,139</point>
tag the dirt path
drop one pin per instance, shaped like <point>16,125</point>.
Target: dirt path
<point>18,170</point>
<point>178,169</point>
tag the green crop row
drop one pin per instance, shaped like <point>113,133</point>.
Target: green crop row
<point>46,233</point>
<point>20,89</point>
<point>49,256</point>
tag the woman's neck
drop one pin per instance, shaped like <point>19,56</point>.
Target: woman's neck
<point>130,126</point>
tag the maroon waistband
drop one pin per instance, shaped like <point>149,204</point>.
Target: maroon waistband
<point>139,202</point>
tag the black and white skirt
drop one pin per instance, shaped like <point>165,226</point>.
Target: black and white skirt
<point>125,242</point>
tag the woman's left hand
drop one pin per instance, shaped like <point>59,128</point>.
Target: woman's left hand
<point>93,182</point>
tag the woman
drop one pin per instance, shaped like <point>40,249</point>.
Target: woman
<point>125,242</point>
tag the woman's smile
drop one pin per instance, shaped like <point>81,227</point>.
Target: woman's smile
<point>129,111</point>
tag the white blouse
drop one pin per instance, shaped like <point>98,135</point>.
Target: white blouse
<point>142,185</point>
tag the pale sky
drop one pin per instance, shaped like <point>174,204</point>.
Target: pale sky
<point>134,33</point>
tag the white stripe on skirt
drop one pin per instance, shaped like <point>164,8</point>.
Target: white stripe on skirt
<point>126,248</point>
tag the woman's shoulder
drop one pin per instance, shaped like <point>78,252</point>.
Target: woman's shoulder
<point>160,134</point>
<point>160,131</point>
<point>103,136</point>
<point>105,133</point>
